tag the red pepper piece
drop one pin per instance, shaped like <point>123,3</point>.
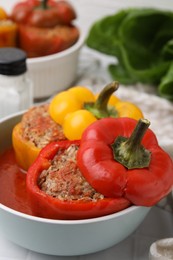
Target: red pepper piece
<point>44,205</point>
<point>144,184</point>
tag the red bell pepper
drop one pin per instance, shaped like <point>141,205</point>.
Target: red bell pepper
<point>121,158</point>
<point>44,205</point>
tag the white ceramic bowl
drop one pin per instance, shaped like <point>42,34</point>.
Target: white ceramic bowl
<point>64,237</point>
<point>53,73</point>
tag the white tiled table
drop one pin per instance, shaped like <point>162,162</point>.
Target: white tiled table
<point>159,223</point>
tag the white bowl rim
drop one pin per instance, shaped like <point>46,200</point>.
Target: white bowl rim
<point>61,54</point>
<point>15,114</point>
<point>70,222</point>
<point>57,221</point>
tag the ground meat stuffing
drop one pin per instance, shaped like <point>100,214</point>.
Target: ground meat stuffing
<point>38,127</point>
<point>64,180</point>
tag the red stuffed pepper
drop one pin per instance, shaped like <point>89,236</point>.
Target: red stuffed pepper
<point>45,27</point>
<point>58,190</point>
<point>120,158</point>
<point>38,42</point>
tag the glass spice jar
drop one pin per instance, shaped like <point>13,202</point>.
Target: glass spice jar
<point>16,89</point>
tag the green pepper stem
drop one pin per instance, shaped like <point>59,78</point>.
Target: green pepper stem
<point>100,108</point>
<point>136,137</point>
<point>104,96</point>
<point>129,151</point>
<point>44,4</point>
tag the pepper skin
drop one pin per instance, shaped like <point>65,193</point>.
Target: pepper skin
<point>25,151</point>
<point>69,101</point>
<point>46,206</point>
<point>128,109</point>
<point>143,185</point>
<point>65,103</point>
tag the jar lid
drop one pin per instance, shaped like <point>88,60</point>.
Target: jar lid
<point>12,61</point>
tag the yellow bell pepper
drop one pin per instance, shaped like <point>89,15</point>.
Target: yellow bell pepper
<point>69,101</point>
<point>25,151</point>
<point>76,122</point>
<point>128,109</point>
<point>77,108</point>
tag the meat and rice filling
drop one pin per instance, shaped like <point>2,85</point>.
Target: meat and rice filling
<point>39,128</point>
<point>64,180</point>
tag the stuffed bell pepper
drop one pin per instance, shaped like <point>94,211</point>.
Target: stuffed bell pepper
<point>32,133</point>
<point>57,188</point>
<point>45,27</point>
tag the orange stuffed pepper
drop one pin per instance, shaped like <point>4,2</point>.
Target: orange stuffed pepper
<point>35,130</point>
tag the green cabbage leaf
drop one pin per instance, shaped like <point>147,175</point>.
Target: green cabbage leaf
<point>141,40</point>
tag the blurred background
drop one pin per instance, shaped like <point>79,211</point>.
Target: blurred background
<point>89,11</point>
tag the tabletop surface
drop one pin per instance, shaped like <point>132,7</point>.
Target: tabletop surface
<point>135,247</point>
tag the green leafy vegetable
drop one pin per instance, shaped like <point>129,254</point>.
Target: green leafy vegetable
<point>142,42</point>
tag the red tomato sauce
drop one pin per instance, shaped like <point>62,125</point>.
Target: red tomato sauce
<point>13,184</point>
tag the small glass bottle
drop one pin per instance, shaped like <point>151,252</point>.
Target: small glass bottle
<point>16,89</point>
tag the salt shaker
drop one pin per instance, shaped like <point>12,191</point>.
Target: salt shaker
<point>16,89</point>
